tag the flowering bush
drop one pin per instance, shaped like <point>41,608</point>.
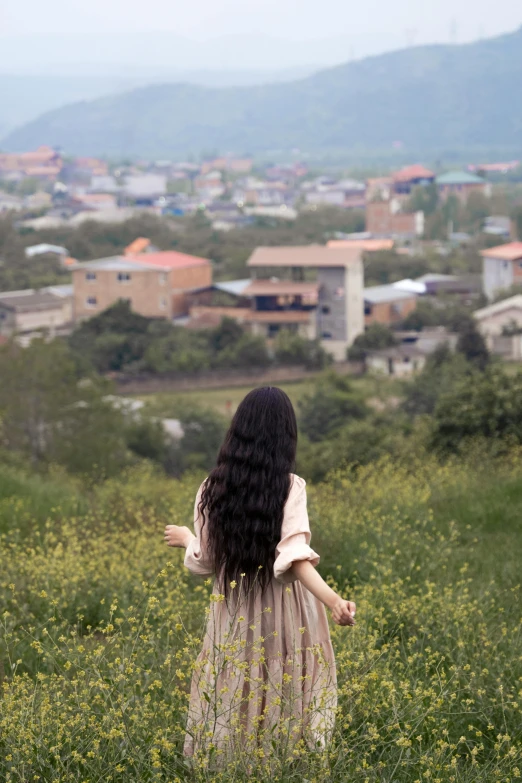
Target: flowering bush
<point>101,627</point>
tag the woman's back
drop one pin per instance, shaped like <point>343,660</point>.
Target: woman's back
<point>267,666</point>
<point>271,646</point>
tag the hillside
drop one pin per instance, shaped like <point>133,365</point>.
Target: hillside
<point>429,98</point>
<point>25,97</point>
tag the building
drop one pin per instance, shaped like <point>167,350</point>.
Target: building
<point>500,226</point>
<point>347,193</point>
<point>96,201</point>
<point>399,360</point>
<point>405,180</point>
<point>411,351</point>
<point>496,168</point>
<point>502,268</point>
<point>145,186</point>
<point>387,304</point>
<point>501,326</point>
<point>155,284</point>
<point>44,163</point>
<point>387,219</point>
<point>338,315</point>
<point>28,314</point>
<point>462,184</point>
<point>236,165</point>
<point>366,245</point>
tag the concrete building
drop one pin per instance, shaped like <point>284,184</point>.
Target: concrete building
<point>462,184</point>
<point>386,219</point>
<point>410,177</point>
<point>502,268</point>
<point>338,317</point>
<point>155,284</point>
<point>28,314</point>
<point>399,360</point>
<point>387,304</point>
<point>501,326</point>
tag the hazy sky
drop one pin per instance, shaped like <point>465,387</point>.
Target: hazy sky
<point>365,26</point>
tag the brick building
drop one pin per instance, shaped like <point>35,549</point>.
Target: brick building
<point>387,305</point>
<point>385,219</point>
<point>156,285</point>
<point>462,184</point>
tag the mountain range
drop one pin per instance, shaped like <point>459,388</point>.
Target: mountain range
<point>435,97</point>
<point>26,96</point>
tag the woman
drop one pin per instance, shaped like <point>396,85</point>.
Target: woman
<point>266,671</point>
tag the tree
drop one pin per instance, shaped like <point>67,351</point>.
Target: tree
<point>291,348</point>
<point>375,338</point>
<point>204,431</point>
<point>472,345</point>
<point>487,405</point>
<point>424,199</point>
<point>249,351</point>
<point>330,406</point>
<point>226,335</point>
<point>442,370</point>
<point>517,219</point>
<point>49,415</point>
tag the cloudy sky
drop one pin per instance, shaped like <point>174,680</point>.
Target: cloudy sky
<point>233,33</point>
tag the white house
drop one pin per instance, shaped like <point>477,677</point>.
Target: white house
<point>502,268</point>
<point>501,326</point>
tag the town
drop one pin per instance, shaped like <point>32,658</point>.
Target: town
<point>466,222</point>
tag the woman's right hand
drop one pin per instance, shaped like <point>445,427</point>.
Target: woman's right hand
<point>343,612</point>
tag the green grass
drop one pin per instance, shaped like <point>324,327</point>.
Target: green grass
<point>102,625</point>
<point>225,401</point>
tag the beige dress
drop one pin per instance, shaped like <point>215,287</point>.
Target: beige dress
<point>266,672</point>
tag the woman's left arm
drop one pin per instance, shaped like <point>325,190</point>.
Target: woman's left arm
<point>178,536</point>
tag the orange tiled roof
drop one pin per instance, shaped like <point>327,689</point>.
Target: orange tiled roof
<point>95,198</point>
<point>413,172</point>
<point>368,245</point>
<point>510,252</point>
<point>138,246</point>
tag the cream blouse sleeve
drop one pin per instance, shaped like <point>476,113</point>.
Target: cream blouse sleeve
<point>295,534</point>
<point>196,556</point>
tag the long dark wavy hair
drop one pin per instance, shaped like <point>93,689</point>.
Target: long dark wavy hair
<point>244,497</point>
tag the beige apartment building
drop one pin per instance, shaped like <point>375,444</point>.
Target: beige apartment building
<point>156,285</point>
<point>28,314</point>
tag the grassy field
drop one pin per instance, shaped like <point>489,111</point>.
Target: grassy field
<point>101,626</point>
<point>225,401</point>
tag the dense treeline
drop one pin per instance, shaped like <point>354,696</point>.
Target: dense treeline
<point>55,407</point>
<point>119,340</point>
<point>195,235</point>
<point>230,250</point>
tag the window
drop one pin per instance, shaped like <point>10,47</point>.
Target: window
<point>124,277</point>
<point>367,309</point>
<point>325,310</point>
<point>163,278</point>
<point>90,276</point>
<point>91,301</point>
<point>326,335</point>
<point>163,303</point>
